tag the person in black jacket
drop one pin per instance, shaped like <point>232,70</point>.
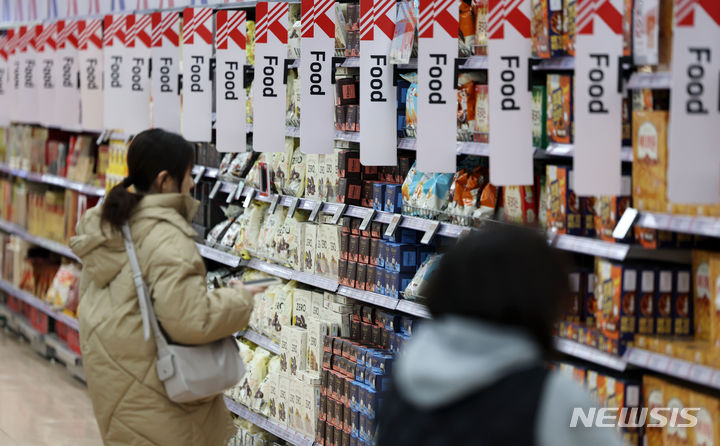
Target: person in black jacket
<point>475,374</point>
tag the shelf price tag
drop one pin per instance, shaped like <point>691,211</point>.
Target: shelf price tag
<point>197,85</point>
<point>377,93</point>
<point>214,190</point>
<point>437,95</point>
<point>268,86</point>
<point>274,203</point>
<point>432,229</point>
<point>626,221</point>
<point>693,158</point>
<point>317,135</point>
<point>230,94</point>
<point>241,189</point>
<point>249,198</point>
<point>91,73</point>
<point>293,206</point>
<point>369,214</point>
<point>598,98</point>
<point>199,175</point>
<point>166,70</point>
<point>315,211</point>
<point>339,212</point>
<point>510,98</point>
<point>392,227</point>
<point>231,195</point>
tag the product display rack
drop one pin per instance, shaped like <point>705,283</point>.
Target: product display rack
<point>261,340</point>
<point>53,180</point>
<point>262,422</point>
<point>568,150</point>
<point>707,226</point>
<point>658,81</point>
<point>36,302</point>
<point>50,245</point>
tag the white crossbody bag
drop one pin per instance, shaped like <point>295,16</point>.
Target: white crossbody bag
<point>189,372</point>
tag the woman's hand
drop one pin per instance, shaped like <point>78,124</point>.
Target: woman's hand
<point>252,289</point>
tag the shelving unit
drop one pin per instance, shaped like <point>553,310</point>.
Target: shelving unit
<point>34,301</point>
<point>261,340</point>
<point>289,435</point>
<point>50,245</point>
<point>687,224</point>
<point>568,150</point>
<point>53,180</point>
<point>658,81</point>
<point>590,354</point>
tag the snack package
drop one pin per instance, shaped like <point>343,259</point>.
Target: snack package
<point>520,204</point>
<point>481,25</point>
<point>540,29</point>
<point>706,284</point>
<point>646,38</point>
<point>663,303</point>
<point>539,116</point>
<point>558,190</point>
<point>401,47</point>
<point>310,244</point>
<point>608,210</point>
<point>650,160</point>
<point>682,303</point>
<point>559,106</point>
<point>295,186</point>
<point>570,13</point>
<point>482,108</point>
<point>679,398</point>
<point>616,303</point>
<point>652,391</point>
<point>466,21</point>
<point>707,430</point>
<point>647,284</point>
<point>411,105</point>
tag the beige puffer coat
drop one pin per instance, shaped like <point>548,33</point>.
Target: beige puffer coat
<point>129,400</point>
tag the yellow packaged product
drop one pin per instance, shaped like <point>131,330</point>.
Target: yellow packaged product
<point>650,160</point>
<point>706,281</point>
<point>707,430</point>
<point>653,389</point>
<point>677,435</point>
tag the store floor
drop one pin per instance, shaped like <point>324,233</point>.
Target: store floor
<point>40,403</point>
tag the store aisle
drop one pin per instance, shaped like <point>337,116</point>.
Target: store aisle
<point>40,403</point>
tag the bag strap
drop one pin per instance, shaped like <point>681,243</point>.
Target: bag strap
<point>146,308</point>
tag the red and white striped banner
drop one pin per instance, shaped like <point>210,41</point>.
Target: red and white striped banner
<point>269,89</point>
<point>377,92</point>
<point>437,97</point>
<point>597,101</point>
<point>317,48</point>
<point>91,74</point>
<point>693,157</point>
<point>230,95</point>
<point>166,70</point>
<point>5,104</point>
<point>197,85</point>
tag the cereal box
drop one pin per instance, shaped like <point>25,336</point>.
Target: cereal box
<point>570,13</point>
<point>539,116</point>
<point>540,29</point>
<point>574,210</point>
<point>556,27</point>
<point>682,303</point>
<point>608,211</point>
<point>650,160</point>
<point>520,204</point>
<point>677,398</point>
<point>646,297</point>
<point>663,303</point>
<point>590,300</point>
<point>559,105</point>
<point>573,313</point>
<point>706,274</point>
<point>653,397</point>
<point>617,286</point>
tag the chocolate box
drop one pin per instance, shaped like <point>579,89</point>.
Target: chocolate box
<point>354,248</point>
<point>393,198</point>
<point>349,191</point>
<point>364,250</point>
<point>348,164</point>
<point>682,303</point>
<point>370,278</point>
<point>351,273</point>
<point>663,303</point>
<point>361,276</point>
<point>374,246</point>
<point>400,257</point>
<point>647,285</point>
<point>382,248</point>
<point>344,246</point>
<point>378,195</point>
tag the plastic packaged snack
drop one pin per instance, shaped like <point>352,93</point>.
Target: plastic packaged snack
<point>403,39</point>
<point>295,185</point>
<point>411,105</point>
<point>466,38</point>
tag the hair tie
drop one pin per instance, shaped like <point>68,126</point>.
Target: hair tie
<point>127,182</point>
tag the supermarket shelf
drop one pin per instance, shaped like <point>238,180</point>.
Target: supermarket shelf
<point>475,62</point>
<point>463,147</point>
<point>556,63</point>
<point>289,435</point>
<point>53,180</point>
<point>591,246</point>
<point>369,297</point>
<point>678,368</point>
<point>36,339</point>
<point>347,136</point>
<point>61,352</point>
<point>272,269</point>
<point>686,224</point>
<point>39,304</point>
<point>209,172</point>
<point>568,150</point>
<point>590,354</point>
<point>50,245</point>
<point>414,308</point>
<point>658,81</point>
<point>219,256</point>
<point>261,340</point>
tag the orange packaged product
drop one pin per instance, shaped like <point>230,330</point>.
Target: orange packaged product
<point>707,430</point>
<point>557,184</point>
<point>653,396</point>
<point>467,25</point>
<point>677,398</point>
<point>650,160</point>
<point>706,284</point>
<point>540,29</point>
<point>520,204</point>
<point>608,211</point>
<point>559,108</point>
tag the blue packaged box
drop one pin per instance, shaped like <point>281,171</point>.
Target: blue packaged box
<point>424,252</point>
<point>380,280</point>
<point>382,362</point>
<point>404,235</point>
<point>400,257</point>
<point>406,325</point>
<point>354,387</point>
<point>393,198</point>
<point>382,247</point>
<point>378,193</point>
<point>355,424</point>
<point>360,373</point>
<point>396,283</point>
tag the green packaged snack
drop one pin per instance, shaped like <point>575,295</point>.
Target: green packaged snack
<point>539,116</point>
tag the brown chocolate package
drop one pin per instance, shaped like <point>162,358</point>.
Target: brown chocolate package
<point>346,437</point>
<point>338,347</point>
<point>366,333</point>
<point>364,250</point>
<point>366,200</point>
<point>342,272</point>
<point>377,229</point>
<point>346,222</point>
<point>353,16</point>
<point>370,173</point>
<point>373,256</point>
<point>351,273</point>
<point>355,226</point>
<point>352,118</point>
<point>386,339</point>
<point>353,248</point>
<point>344,246</point>
<point>329,435</point>
<point>377,335</point>
<point>361,276</point>
<point>370,275</point>
<point>349,191</point>
<point>320,431</point>
<point>341,118</point>
<point>348,164</point>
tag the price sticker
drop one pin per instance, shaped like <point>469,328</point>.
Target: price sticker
<point>315,211</point>
<point>249,198</point>
<point>430,232</point>
<point>701,374</point>
<point>339,212</point>
<point>239,191</point>
<point>293,206</point>
<point>231,195</point>
<point>369,214</point>
<point>625,223</point>
<point>392,227</point>
<point>638,357</point>
<point>274,203</point>
<point>215,189</point>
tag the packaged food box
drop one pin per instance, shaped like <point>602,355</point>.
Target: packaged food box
<point>520,204</point>
<point>559,108</point>
<point>309,251</point>
<point>558,187</point>
<point>706,274</point>
<point>361,276</point>
<point>574,310</point>
<point>364,250</point>
<point>393,198</point>
<point>707,430</point>
<point>663,303</point>
<point>609,210</point>
<point>617,288</point>
<point>570,14</point>
<point>378,196</point>
<point>588,215</point>
<point>647,284</point>
<point>303,307</point>
<point>349,191</point>
<point>540,29</point>
<point>313,178</point>
<point>400,257</point>
<point>650,160</point>
<point>370,278</point>
<point>590,300</point>
<point>682,303</point>
<point>283,399</point>
<point>315,332</point>
<point>539,116</point>
<point>677,397</point>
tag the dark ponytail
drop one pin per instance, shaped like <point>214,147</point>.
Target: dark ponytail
<point>150,152</point>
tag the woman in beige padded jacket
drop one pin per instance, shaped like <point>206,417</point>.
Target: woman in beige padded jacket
<point>130,403</point>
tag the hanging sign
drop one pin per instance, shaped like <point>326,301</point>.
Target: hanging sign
<point>598,98</point>
<point>269,82</point>
<point>437,97</point>
<point>197,85</point>
<point>26,55</point>
<point>510,100</point>
<point>317,95</point>
<point>67,94</point>
<point>166,70</point>
<point>378,147</point>
<point>46,44</point>
<point>91,74</point>
<point>230,94</point>
<point>693,156</point>
<point>116,61</point>
<point>4,83</point>
<point>137,85</point>
<point>13,36</point>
